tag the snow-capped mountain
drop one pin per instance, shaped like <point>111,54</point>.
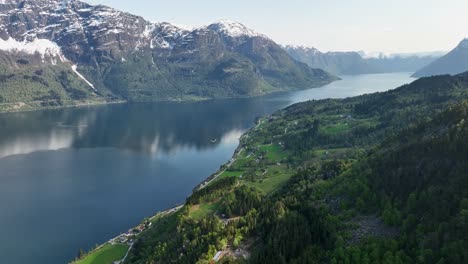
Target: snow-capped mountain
<point>82,30</point>
<point>124,56</point>
<point>232,29</point>
<point>455,62</point>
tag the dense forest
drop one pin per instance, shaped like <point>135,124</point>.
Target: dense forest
<point>379,178</point>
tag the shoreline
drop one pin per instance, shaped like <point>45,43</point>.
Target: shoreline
<point>114,240</point>
<point>106,102</point>
<point>205,182</point>
<point>78,105</point>
<point>176,208</point>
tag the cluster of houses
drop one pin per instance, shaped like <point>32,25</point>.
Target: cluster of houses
<point>130,236</point>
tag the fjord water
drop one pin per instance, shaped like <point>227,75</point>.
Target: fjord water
<point>72,178</point>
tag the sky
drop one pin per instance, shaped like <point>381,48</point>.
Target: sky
<point>393,26</point>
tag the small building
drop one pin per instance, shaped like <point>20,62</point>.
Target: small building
<point>123,239</point>
<point>218,256</point>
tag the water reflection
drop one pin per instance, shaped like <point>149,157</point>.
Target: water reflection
<point>148,128</point>
<point>53,140</point>
<point>163,128</point>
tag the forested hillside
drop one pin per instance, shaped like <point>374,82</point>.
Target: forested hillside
<point>379,178</point>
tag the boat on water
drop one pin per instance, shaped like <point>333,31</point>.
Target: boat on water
<point>213,140</point>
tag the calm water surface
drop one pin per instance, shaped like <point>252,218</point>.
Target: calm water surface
<point>72,178</point>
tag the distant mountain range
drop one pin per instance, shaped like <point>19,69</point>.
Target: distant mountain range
<point>455,62</point>
<point>57,52</point>
<point>351,63</point>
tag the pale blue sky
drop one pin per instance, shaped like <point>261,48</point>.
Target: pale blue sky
<point>337,25</point>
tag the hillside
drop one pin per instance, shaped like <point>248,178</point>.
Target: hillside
<point>378,178</point>
<point>455,62</point>
<point>113,55</point>
<point>26,82</point>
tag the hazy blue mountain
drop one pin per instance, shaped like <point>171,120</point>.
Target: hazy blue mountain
<point>352,63</point>
<point>340,63</point>
<point>455,62</point>
<point>402,62</point>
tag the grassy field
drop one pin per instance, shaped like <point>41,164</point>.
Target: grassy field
<point>105,255</point>
<point>272,183</point>
<point>337,128</point>
<point>274,152</point>
<point>272,180</point>
<point>202,210</point>
<point>230,174</point>
<point>243,163</point>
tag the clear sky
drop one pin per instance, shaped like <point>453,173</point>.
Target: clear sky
<point>329,25</point>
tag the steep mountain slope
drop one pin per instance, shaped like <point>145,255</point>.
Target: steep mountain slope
<point>351,63</point>
<point>420,181</point>
<point>456,61</point>
<point>38,74</point>
<point>123,56</point>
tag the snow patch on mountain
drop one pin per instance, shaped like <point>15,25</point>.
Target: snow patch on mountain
<point>74,69</point>
<point>5,2</point>
<point>186,27</point>
<point>44,47</point>
<point>232,29</point>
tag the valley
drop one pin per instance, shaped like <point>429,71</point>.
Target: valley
<point>233,132</point>
<point>56,154</point>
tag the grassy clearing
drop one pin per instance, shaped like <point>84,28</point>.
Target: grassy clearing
<point>330,153</point>
<point>274,153</point>
<point>225,174</point>
<point>244,163</point>
<point>337,128</point>
<point>200,211</point>
<point>271,183</point>
<point>105,255</point>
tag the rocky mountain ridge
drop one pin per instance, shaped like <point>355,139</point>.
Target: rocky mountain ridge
<point>123,56</point>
